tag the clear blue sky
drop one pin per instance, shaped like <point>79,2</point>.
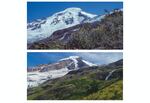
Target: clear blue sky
<point>39,10</point>
<point>36,58</point>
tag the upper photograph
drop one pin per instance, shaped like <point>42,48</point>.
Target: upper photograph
<point>75,25</point>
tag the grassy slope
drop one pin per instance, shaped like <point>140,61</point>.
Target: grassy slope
<point>77,86</point>
<point>112,92</point>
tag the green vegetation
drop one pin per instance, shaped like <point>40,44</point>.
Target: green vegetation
<point>112,92</point>
<point>85,83</point>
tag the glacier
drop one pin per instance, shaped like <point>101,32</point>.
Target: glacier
<point>35,78</point>
<point>41,29</point>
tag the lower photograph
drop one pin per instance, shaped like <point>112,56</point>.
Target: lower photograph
<point>75,76</point>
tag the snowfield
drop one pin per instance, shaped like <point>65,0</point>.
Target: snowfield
<point>41,29</point>
<point>89,63</point>
<point>35,78</point>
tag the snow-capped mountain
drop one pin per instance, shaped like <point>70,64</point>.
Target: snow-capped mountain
<point>46,72</point>
<point>41,29</point>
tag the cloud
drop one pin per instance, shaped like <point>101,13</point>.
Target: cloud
<point>101,57</point>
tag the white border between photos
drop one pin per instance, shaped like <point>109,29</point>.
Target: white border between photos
<point>14,53</point>
<point>74,101</point>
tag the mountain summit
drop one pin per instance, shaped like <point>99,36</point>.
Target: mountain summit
<point>42,73</point>
<point>40,29</point>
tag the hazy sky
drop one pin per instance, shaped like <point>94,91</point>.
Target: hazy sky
<point>39,10</point>
<point>36,58</point>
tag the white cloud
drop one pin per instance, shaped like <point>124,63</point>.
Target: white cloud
<point>101,57</point>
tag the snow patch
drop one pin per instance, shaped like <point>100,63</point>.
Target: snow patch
<point>71,57</point>
<point>36,78</point>
<point>88,14</point>
<point>88,63</point>
<point>74,59</point>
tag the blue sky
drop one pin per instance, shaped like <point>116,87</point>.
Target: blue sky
<point>36,58</point>
<point>39,10</point>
